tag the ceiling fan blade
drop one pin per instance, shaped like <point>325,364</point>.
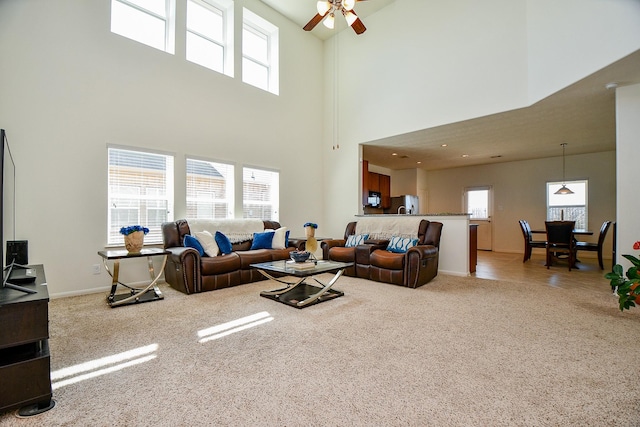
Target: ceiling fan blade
<point>314,21</point>
<point>358,26</point>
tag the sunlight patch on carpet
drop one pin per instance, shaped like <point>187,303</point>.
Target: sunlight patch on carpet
<point>98,367</point>
<point>228,328</point>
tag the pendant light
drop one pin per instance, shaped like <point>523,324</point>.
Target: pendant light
<point>563,189</point>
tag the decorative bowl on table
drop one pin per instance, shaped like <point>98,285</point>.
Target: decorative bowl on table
<point>300,256</point>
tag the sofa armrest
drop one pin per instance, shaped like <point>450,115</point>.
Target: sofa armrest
<point>382,243</point>
<point>421,265</point>
<point>363,252</point>
<point>182,270</point>
<point>328,244</point>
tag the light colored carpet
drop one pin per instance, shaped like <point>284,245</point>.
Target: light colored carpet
<point>455,352</point>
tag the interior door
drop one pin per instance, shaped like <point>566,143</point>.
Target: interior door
<point>477,201</point>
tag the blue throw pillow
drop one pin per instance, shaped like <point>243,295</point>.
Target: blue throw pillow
<point>262,240</point>
<point>401,245</point>
<point>223,243</point>
<point>355,240</point>
<point>192,242</point>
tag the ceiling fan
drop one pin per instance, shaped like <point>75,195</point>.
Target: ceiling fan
<point>327,11</point>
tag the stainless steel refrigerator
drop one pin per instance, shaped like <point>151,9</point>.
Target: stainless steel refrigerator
<point>407,204</point>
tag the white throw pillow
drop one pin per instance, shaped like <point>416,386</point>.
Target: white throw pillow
<point>279,238</point>
<point>208,243</point>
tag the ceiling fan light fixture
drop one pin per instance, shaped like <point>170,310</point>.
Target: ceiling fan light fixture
<point>348,5</point>
<point>323,7</point>
<point>350,17</point>
<point>329,21</point>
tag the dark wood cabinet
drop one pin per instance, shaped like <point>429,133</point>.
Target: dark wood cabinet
<point>374,182</point>
<point>25,377</point>
<point>365,183</point>
<point>385,191</point>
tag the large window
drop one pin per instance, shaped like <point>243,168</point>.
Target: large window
<point>210,189</point>
<point>146,21</point>
<point>140,192</point>
<point>210,34</point>
<point>260,40</point>
<point>570,207</point>
<point>260,194</point>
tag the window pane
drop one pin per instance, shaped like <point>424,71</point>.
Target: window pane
<point>137,25</point>
<point>206,53</point>
<point>205,21</point>
<point>156,6</point>
<point>478,203</point>
<point>255,45</point>
<point>140,192</point>
<point>578,198</point>
<point>260,192</point>
<point>255,74</point>
<point>209,189</point>
<point>568,207</point>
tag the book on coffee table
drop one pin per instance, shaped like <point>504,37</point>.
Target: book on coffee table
<point>301,265</point>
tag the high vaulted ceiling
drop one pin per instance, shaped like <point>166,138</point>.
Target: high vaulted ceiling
<point>581,115</point>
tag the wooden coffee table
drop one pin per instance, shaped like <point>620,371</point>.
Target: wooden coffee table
<point>297,293</point>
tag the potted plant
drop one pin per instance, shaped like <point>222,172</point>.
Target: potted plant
<point>627,287</point>
<point>134,237</point>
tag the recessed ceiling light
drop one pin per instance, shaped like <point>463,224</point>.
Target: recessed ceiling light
<point>394,154</point>
<point>444,145</point>
<point>419,163</point>
<point>465,155</point>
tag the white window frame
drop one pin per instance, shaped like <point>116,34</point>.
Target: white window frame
<point>168,18</point>
<point>225,9</point>
<point>261,27</point>
<point>200,203</point>
<point>571,209</point>
<point>268,177</point>
<point>134,193</point>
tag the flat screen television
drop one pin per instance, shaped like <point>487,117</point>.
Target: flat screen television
<point>7,212</point>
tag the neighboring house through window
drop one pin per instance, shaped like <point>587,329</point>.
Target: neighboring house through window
<point>151,22</point>
<point>260,52</point>
<point>140,192</point>
<point>570,207</point>
<point>210,34</point>
<point>260,194</point>
<point>210,189</point>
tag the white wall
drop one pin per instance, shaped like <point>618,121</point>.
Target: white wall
<point>422,64</point>
<point>70,87</point>
<point>627,154</point>
<point>519,192</point>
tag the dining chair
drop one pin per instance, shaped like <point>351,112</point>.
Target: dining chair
<point>529,243</point>
<point>596,247</point>
<point>560,240</point>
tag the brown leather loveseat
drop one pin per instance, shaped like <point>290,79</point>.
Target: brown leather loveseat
<point>189,272</point>
<point>413,268</point>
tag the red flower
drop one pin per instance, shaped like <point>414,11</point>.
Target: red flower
<point>636,246</point>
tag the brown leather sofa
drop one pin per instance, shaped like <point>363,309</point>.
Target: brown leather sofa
<point>416,267</point>
<point>190,273</point>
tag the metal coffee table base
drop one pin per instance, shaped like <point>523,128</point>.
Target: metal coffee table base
<point>300,294</point>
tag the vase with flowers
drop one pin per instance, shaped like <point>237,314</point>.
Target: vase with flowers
<point>311,244</point>
<point>626,287</point>
<point>134,237</point>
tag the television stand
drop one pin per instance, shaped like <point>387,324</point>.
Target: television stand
<point>25,366</point>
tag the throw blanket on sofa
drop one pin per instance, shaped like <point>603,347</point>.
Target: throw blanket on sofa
<point>237,230</point>
<point>384,227</point>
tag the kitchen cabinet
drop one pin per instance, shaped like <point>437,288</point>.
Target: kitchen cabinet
<point>385,191</point>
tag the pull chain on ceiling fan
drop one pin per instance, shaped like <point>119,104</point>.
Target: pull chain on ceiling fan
<point>327,11</point>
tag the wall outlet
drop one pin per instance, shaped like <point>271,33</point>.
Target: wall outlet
<point>96,269</point>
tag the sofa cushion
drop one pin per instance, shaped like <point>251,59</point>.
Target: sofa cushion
<point>220,264</point>
<point>262,240</point>
<point>401,244</point>
<point>355,240</point>
<point>208,243</point>
<point>254,257</point>
<point>223,243</point>
<point>342,254</point>
<point>387,260</point>
<point>192,242</point>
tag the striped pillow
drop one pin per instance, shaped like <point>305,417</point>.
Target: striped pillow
<point>355,240</point>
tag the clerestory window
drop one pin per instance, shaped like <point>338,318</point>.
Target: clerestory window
<point>151,22</point>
